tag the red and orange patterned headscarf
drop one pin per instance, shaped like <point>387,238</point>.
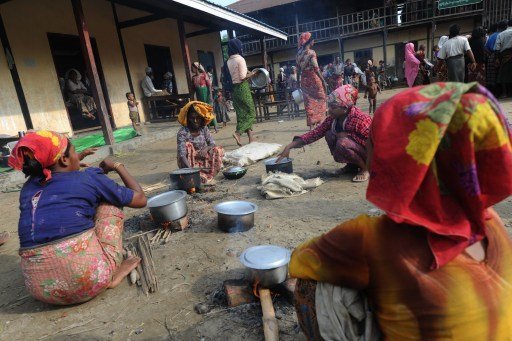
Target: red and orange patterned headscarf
<point>442,155</point>
<point>44,146</point>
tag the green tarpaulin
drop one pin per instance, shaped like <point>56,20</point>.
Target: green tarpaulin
<point>97,140</point>
<point>444,4</point>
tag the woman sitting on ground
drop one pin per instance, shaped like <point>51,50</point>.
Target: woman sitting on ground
<point>346,130</point>
<point>196,147</point>
<point>77,94</point>
<point>437,264</point>
<point>71,224</point>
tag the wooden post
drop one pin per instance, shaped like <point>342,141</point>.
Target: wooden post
<point>121,44</point>
<point>186,56</point>
<point>264,52</point>
<point>341,47</point>
<point>97,91</point>
<point>384,45</point>
<point>15,76</point>
<point>296,22</point>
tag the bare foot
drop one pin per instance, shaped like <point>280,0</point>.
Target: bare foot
<point>237,138</point>
<point>362,176</point>
<point>348,169</point>
<point>4,236</point>
<point>124,270</point>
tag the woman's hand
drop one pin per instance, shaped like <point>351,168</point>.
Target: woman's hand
<point>84,154</point>
<point>204,151</point>
<point>87,152</point>
<point>185,163</point>
<point>284,154</point>
<point>107,165</point>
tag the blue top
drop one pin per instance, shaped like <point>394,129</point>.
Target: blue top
<point>491,41</point>
<point>66,205</point>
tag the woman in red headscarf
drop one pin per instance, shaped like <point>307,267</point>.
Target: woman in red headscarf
<point>312,82</point>
<point>346,130</point>
<point>438,263</point>
<point>71,224</point>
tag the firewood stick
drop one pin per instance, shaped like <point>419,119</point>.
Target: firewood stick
<point>270,326</point>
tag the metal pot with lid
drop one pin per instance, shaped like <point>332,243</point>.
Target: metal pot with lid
<point>267,264</point>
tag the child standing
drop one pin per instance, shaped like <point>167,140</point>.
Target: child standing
<point>134,112</point>
<point>371,93</point>
<point>221,108</point>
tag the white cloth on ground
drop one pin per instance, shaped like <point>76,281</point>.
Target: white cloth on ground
<point>341,313</point>
<point>282,185</point>
<point>251,153</point>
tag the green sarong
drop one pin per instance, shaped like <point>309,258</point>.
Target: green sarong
<point>203,95</point>
<point>244,107</point>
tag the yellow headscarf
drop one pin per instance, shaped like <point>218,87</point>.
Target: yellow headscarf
<point>203,109</point>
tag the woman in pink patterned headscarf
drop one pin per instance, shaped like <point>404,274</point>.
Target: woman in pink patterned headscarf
<point>346,130</point>
<point>312,82</point>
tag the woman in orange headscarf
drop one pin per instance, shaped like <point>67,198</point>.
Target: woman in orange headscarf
<point>196,147</point>
<point>312,83</point>
<point>438,263</point>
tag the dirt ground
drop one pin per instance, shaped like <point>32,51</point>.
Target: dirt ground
<point>192,267</point>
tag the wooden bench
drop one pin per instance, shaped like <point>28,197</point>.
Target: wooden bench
<point>164,108</point>
<point>282,100</point>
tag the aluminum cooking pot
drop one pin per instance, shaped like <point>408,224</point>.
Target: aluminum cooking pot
<point>168,206</point>
<point>187,179</point>
<point>267,264</point>
<point>261,79</point>
<point>285,165</point>
<point>235,216</point>
<point>297,96</point>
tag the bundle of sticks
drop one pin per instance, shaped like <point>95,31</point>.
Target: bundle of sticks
<point>145,274</point>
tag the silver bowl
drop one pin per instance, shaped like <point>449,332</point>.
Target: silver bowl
<point>235,172</point>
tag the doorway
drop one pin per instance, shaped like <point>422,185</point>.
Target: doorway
<point>159,59</point>
<point>67,54</point>
<point>207,60</point>
<point>361,57</point>
<point>400,58</point>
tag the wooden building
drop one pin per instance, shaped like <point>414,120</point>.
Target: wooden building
<point>110,43</point>
<point>361,29</point>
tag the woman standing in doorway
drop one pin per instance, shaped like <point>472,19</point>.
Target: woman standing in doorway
<point>242,97</point>
<point>202,85</point>
<point>312,82</point>
<point>412,66</point>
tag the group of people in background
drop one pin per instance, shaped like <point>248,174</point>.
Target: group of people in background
<point>484,56</point>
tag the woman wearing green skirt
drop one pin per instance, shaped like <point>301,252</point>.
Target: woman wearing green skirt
<point>242,97</point>
<point>202,86</point>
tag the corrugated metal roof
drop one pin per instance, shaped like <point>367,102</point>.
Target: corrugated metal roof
<point>250,22</point>
<point>248,6</point>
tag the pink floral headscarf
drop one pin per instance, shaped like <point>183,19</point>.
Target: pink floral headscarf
<point>346,96</point>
